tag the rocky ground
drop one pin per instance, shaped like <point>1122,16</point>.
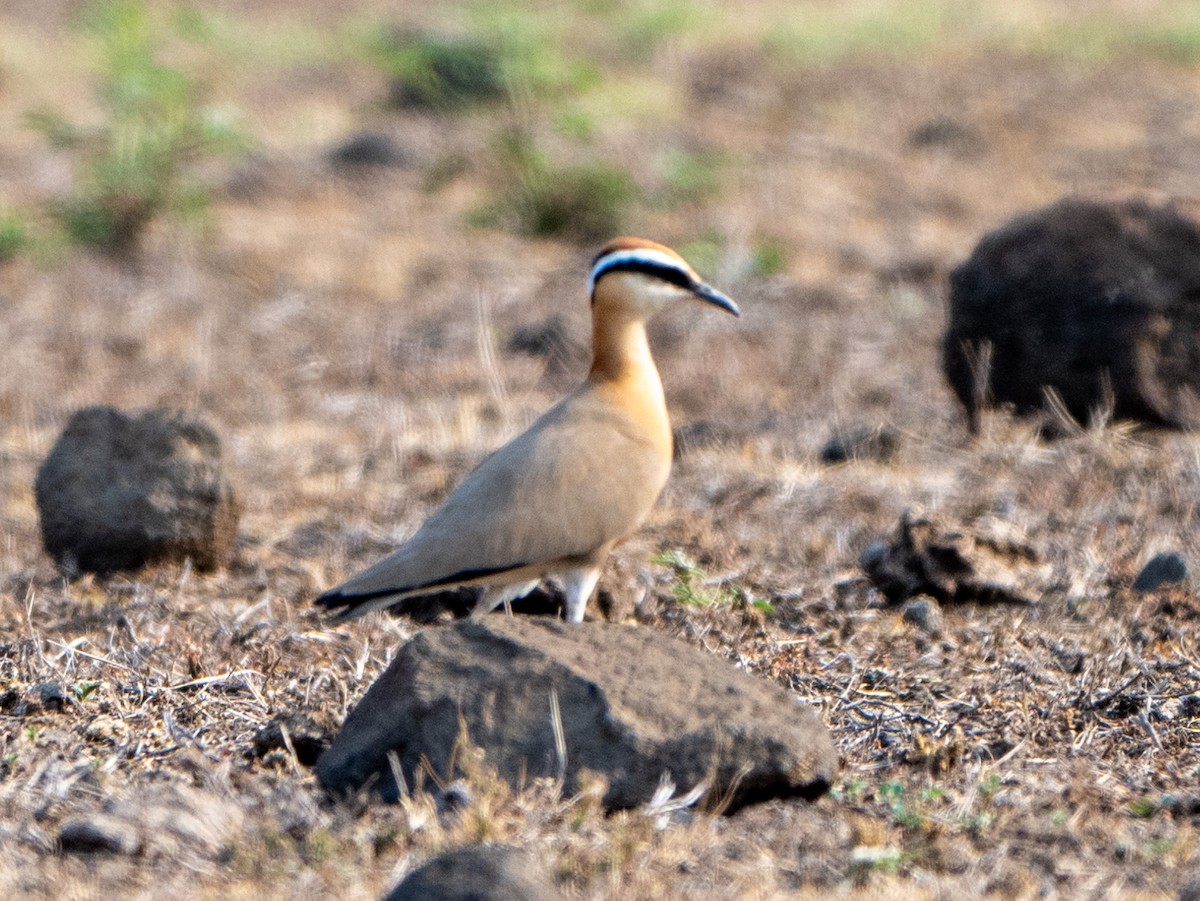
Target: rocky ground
<point>349,333</point>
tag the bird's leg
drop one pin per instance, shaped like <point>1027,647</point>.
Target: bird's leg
<point>495,595</point>
<point>578,586</point>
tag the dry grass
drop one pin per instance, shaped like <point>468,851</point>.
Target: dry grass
<point>346,335</point>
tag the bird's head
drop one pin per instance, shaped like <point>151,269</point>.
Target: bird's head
<point>646,276</point>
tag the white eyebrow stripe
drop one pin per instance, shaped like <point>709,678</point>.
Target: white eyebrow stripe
<point>638,255</point>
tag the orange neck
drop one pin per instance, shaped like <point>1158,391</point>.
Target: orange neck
<point>620,349</point>
<point>623,371</point>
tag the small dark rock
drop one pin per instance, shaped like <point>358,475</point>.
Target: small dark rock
<point>704,721</point>
<point>1163,569</point>
<point>874,556</point>
<point>1070,660</point>
<point>993,750</point>
<point>454,797</point>
<point>120,491</point>
<point>482,873</point>
<point>878,443</point>
<point>1191,891</point>
<point>367,149</point>
<point>308,740</point>
<point>947,133</point>
<point>1182,806</point>
<point>99,834</point>
<point>925,614</point>
<point>12,702</point>
<point>50,695</point>
<point>1095,302</point>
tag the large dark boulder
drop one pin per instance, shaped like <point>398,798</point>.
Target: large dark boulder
<point>120,491</point>
<point>634,704</point>
<point>1098,301</point>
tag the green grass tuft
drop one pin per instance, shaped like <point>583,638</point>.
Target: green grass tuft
<point>583,201</point>
<point>769,258</point>
<point>693,588</point>
<point>138,164</point>
<point>823,35</point>
<point>441,72</point>
<point>691,177</point>
<point>13,236</point>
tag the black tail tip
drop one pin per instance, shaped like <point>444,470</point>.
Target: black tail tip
<point>336,603</point>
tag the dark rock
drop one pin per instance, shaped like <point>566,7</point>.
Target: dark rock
<point>1191,891</point>
<point>949,565</point>
<point>1070,659</point>
<point>307,739</point>
<point>482,873</point>
<point>1097,302</point>
<point>50,695</point>
<point>12,702</point>
<point>1182,806</point>
<point>101,834</point>
<point>367,149</point>
<point>878,443</point>
<point>993,750</point>
<point>949,134</point>
<point>119,491</point>
<point>633,704</point>
<point>454,797</point>
<point>1163,569</point>
<point>925,614</point>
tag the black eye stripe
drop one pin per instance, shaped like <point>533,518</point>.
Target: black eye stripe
<point>667,273</point>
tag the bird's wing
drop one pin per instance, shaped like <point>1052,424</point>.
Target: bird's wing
<point>580,478</point>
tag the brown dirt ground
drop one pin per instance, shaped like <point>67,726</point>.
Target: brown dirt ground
<point>346,336</point>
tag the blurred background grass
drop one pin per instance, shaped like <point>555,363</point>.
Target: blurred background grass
<point>142,99</point>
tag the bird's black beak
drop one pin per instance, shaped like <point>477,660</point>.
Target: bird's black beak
<point>713,296</point>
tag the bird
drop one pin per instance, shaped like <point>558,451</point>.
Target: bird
<point>554,501</point>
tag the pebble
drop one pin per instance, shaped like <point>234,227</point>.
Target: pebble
<point>924,613</point>
<point>99,834</point>
<point>1163,569</point>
